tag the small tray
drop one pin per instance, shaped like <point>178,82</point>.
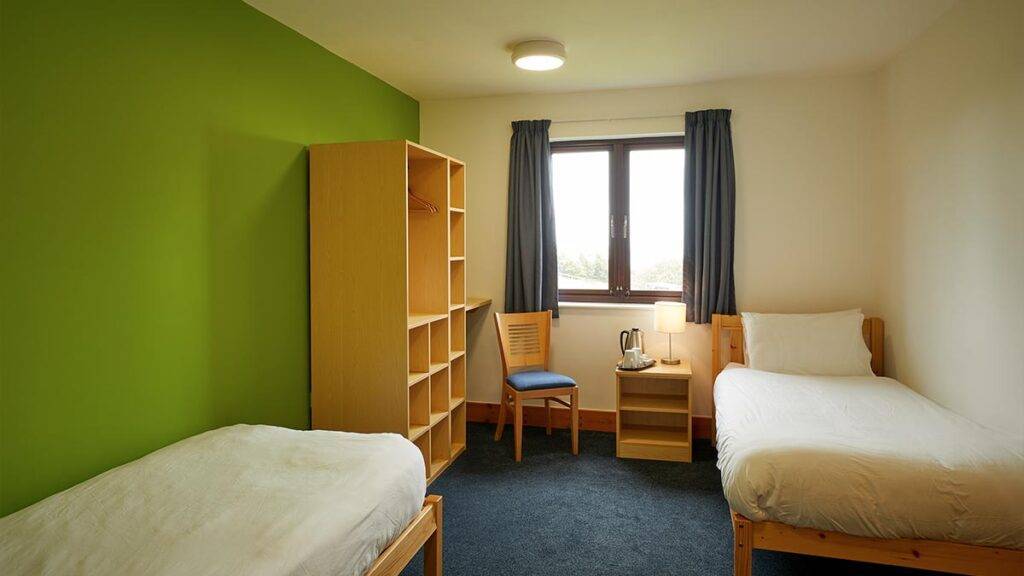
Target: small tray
<point>650,363</point>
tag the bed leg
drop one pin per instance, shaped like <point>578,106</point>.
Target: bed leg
<point>432,564</point>
<point>743,546</point>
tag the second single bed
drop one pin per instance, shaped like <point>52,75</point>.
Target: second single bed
<point>862,468</point>
<point>865,456</point>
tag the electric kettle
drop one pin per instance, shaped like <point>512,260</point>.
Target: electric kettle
<point>631,339</point>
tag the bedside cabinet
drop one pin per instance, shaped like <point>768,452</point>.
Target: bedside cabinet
<point>653,413</point>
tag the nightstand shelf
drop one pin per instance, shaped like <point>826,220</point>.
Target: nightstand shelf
<point>669,403</point>
<point>653,409</point>
<point>654,435</point>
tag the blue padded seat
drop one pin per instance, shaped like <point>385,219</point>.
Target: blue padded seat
<point>538,380</point>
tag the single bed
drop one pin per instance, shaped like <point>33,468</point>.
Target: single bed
<point>861,468</point>
<point>255,500</point>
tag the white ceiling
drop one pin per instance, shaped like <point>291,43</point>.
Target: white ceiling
<point>457,48</point>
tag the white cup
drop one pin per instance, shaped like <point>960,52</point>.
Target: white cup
<point>632,358</point>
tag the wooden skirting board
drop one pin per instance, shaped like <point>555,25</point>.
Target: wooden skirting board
<point>596,420</point>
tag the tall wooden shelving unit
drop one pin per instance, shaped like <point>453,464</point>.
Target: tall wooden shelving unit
<point>388,294</point>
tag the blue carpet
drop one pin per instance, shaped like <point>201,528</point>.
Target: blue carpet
<point>560,515</point>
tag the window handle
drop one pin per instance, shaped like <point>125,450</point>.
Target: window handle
<point>625,226</point>
<point>611,226</point>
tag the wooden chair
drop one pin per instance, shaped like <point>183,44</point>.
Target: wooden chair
<point>525,339</point>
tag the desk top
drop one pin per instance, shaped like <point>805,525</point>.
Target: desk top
<point>474,302</point>
<point>659,370</point>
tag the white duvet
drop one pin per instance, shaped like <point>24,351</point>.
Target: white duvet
<point>254,500</point>
<point>865,456</point>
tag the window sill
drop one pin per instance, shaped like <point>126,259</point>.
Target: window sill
<point>605,305</point>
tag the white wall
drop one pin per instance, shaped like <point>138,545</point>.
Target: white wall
<point>806,158</point>
<point>952,286</point>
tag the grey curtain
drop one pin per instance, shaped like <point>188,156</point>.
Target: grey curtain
<point>531,262</point>
<point>710,218</point>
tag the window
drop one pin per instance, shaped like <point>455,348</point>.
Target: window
<point>619,219</point>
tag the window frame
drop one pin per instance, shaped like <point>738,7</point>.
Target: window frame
<point>618,149</point>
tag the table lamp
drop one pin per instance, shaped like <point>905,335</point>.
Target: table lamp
<point>670,318</point>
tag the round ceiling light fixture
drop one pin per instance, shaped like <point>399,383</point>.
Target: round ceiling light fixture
<point>538,55</point>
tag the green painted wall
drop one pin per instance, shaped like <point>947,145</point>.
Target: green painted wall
<point>153,225</point>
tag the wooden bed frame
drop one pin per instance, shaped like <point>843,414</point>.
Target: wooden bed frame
<point>749,535</point>
<point>424,531</point>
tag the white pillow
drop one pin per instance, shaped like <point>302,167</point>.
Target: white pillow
<point>823,344</point>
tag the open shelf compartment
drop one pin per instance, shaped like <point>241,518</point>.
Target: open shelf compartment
<point>439,396</point>
<point>458,380</point>
<point>439,341</point>
<point>419,408</point>
<point>458,281</point>
<point>458,419</point>
<point>440,446</point>
<point>427,231</point>
<point>457,172</point>
<point>653,428</point>
<point>653,395</point>
<point>458,322</point>
<point>653,435</point>
<point>671,403</point>
<point>458,234</point>
<point>419,353</point>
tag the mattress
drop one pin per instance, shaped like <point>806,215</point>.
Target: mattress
<point>864,456</point>
<point>255,500</point>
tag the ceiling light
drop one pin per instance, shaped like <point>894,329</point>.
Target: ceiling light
<point>538,55</point>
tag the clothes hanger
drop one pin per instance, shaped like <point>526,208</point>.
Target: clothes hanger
<point>423,205</point>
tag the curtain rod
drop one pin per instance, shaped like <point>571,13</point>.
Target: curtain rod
<point>575,120</point>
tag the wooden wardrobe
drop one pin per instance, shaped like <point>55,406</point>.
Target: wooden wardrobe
<point>387,253</point>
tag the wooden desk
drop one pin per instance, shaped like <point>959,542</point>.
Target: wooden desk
<point>475,302</point>
<point>653,409</point>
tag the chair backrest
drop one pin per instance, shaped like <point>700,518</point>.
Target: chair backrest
<point>524,339</point>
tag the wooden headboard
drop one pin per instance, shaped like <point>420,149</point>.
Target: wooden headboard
<point>873,330</point>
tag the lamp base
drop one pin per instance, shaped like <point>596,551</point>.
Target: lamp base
<point>670,361</point>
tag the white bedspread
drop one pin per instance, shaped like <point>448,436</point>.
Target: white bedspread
<point>239,500</point>
<point>866,456</point>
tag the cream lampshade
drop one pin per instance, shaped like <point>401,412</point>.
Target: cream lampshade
<point>670,318</point>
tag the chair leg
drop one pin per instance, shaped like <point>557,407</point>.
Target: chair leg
<point>519,428</point>
<point>574,400</point>
<point>501,417</point>
<point>547,410</point>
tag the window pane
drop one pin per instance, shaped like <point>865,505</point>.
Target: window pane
<point>581,218</point>
<point>655,219</point>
